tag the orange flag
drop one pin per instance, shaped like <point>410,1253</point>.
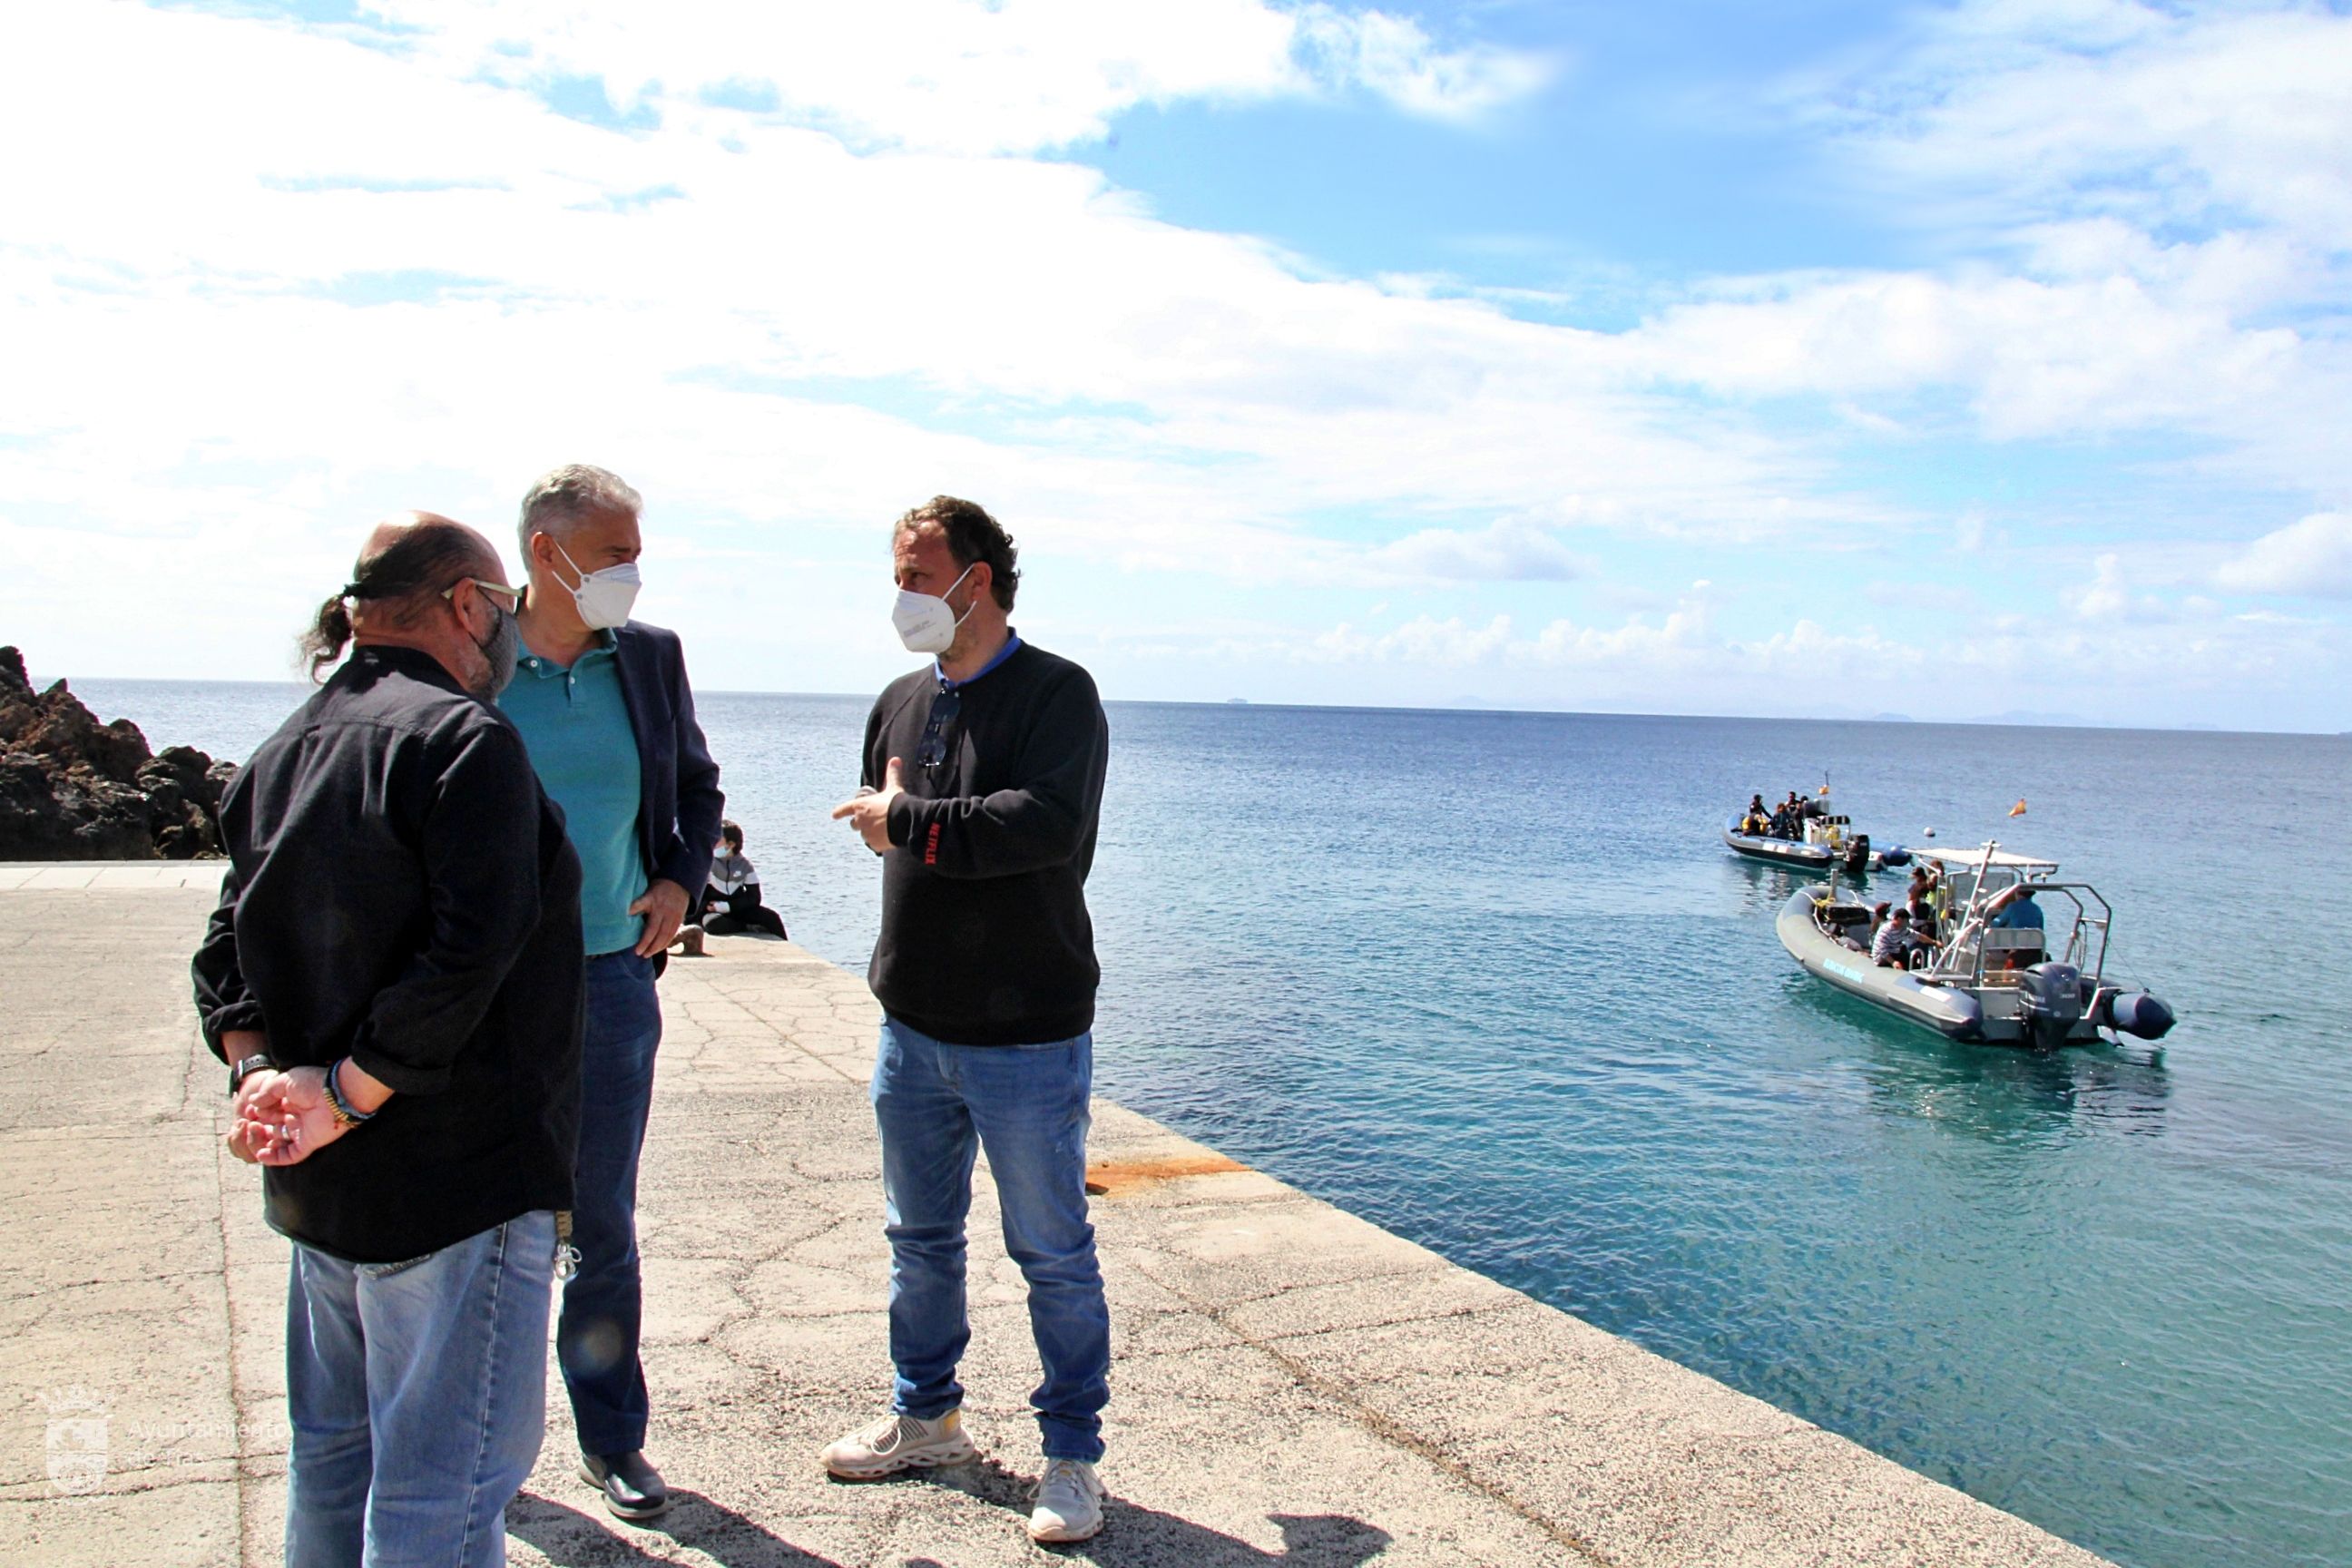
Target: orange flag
<point>2018,810</point>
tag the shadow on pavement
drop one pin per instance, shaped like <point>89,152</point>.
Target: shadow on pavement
<point>1138,1537</point>
<point>1133,1537</point>
<point>571,1539</point>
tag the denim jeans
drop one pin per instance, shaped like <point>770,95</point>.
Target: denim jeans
<point>938,1105</point>
<point>603,1302</point>
<point>417,1393</point>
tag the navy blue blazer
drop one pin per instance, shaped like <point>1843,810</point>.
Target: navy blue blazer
<point>681,809</point>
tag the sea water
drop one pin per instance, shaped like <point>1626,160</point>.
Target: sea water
<point>1493,982</point>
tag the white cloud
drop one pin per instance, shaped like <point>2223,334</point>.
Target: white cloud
<point>1392,57</point>
<point>1423,640</point>
<point>1506,551</point>
<point>2158,114</point>
<point>2104,598</point>
<point>2199,663</point>
<point>264,279</point>
<point>1679,642</point>
<point>2036,358</point>
<point>2310,558</point>
<point>958,76</point>
<point>1132,391</point>
<point>2157,200</point>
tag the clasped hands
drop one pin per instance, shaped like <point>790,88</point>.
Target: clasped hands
<point>284,1117</point>
<point>869,810</point>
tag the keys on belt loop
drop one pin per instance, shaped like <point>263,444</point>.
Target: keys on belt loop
<point>567,1256</point>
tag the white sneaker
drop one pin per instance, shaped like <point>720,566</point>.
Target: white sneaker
<point>1069,1502</point>
<point>896,1442</point>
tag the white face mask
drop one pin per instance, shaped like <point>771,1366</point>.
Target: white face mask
<point>927,623</point>
<point>604,597</point>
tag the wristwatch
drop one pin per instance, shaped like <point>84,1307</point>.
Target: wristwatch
<point>347,1115</point>
<point>245,1069</point>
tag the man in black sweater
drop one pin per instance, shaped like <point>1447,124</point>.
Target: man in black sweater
<point>983,778</point>
<point>393,974</point>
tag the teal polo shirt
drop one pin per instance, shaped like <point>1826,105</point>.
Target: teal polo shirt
<point>577,727</point>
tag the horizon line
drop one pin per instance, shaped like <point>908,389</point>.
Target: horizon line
<point>1993,721</point>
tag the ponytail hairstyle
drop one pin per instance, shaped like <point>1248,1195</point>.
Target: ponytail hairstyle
<point>424,556</point>
<point>322,643</point>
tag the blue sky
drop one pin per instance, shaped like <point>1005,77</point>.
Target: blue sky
<point>1832,359</point>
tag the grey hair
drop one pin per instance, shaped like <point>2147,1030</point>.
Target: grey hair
<point>571,494</point>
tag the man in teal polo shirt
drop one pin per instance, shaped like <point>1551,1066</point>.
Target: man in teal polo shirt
<point>604,704</point>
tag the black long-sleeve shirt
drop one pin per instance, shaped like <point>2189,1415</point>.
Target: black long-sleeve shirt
<point>401,891</point>
<point>985,936</point>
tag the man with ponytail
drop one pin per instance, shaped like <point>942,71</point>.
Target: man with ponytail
<point>603,702</point>
<point>393,976</point>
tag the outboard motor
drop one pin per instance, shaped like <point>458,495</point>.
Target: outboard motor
<point>2050,997</point>
<point>1857,852</point>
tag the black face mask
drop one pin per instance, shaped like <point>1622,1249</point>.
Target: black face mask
<point>503,648</point>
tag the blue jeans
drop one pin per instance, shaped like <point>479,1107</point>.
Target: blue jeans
<point>603,1302</point>
<point>417,1393</point>
<point>938,1105</point>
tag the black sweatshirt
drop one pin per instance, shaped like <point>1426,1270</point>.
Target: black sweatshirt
<point>401,891</point>
<point>985,937</point>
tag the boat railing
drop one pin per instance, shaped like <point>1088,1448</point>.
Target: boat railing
<point>1961,961</point>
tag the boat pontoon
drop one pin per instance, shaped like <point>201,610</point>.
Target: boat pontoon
<point>2006,984</point>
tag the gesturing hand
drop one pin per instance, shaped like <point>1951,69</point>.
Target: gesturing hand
<point>869,810</point>
<point>663,905</point>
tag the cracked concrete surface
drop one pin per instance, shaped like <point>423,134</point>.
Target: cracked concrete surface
<point>1293,1385</point>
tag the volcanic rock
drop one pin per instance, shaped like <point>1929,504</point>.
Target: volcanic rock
<point>74,789</point>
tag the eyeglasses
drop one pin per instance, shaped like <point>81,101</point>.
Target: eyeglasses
<point>933,748</point>
<point>499,593</point>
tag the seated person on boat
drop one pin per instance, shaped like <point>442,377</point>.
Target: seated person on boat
<point>2014,910</point>
<point>1895,941</point>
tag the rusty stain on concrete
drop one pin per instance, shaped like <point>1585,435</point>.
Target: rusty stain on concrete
<point>1117,1178</point>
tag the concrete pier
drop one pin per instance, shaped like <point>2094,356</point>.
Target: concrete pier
<point>1292,1386</point>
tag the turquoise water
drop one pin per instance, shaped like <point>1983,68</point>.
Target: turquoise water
<point>1490,980</point>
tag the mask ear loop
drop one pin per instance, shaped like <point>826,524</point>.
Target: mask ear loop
<point>968,609</point>
<point>498,616</point>
<point>571,587</point>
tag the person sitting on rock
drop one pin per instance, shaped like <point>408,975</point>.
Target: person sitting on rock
<point>730,903</point>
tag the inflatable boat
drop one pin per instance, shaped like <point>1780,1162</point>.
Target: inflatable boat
<point>1987,980</point>
<point>1830,844</point>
